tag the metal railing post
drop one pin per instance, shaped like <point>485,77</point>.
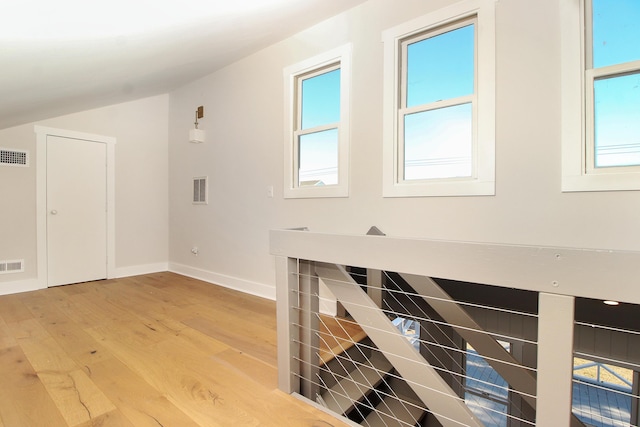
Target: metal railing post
<point>286,306</point>
<point>375,277</point>
<point>309,324</point>
<point>555,360</point>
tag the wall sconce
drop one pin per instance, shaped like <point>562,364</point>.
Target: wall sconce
<point>196,135</point>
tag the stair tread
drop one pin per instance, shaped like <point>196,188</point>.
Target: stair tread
<point>338,335</point>
<point>341,396</point>
<point>393,413</point>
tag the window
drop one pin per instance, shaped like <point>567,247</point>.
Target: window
<point>437,109</point>
<point>439,129</point>
<point>602,393</point>
<point>485,391</point>
<point>601,95</point>
<point>317,147</point>
<point>410,329</point>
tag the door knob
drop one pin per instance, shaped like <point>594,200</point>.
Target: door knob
<point>54,212</point>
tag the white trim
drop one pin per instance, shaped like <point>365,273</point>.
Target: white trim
<point>327,305</point>
<point>27,285</point>
<point>555,360</point>
<point>341,55</point>
<point>137,270</point>
<point>576,176</point>
<point>235,283</point>
<point>42,133</point>
<point>64,133</point>
<point>483,183</point>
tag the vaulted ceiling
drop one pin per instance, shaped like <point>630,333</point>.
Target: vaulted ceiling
<point>63,56</point>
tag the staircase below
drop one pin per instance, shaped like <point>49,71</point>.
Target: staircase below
<point>359,383</point>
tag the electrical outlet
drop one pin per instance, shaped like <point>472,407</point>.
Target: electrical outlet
<point>270,191</point>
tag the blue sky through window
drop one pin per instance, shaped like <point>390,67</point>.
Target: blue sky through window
<point>318,151</point>
<point>318,163</point>
<point>617,121</point>
<point>616,36</point>
<point>438,142</point>
<point>441,67</point>
<point>616,31</point>
<point>321,99</point>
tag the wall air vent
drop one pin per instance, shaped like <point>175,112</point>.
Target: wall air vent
<point>15,266</point>
<point>200,190</point>
<point>11,157</point>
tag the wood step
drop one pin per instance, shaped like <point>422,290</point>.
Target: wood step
<point>392,412</point>
<point>340,398</point>
<point>337,336</point>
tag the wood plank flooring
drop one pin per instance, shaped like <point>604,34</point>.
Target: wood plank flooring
<point>158,350</point>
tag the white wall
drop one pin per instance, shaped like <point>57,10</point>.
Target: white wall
<point>244,117</point>
<point>141,211</point>
<point>243,155</point>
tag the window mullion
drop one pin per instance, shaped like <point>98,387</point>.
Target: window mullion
<point>445,27</point>
<point>298,104</point>
<point>403,78</point>
<point>616,69</point>
<point>322,69</point>
<point>590,145</point>
<point>316,129</point>
<point>467,99</point>
<point>401,148</point>
<point>588,33</point>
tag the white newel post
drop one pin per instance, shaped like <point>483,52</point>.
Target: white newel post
<point>555,360</point>
<point>286,304</point>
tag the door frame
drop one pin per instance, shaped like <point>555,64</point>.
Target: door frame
<point>42,132</point>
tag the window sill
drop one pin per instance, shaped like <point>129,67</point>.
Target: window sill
<point>316,192</point>
<point>440,189</point>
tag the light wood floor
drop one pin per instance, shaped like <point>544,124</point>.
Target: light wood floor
<point>159,350</point>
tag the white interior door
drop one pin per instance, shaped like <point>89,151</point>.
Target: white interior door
<point>76,210</point>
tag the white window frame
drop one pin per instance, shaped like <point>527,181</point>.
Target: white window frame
<point>341,57</point>
<point>482,181</point>
<point>578,172</point>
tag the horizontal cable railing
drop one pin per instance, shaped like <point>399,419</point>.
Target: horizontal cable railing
<point>471,376</point>
<point>416,351</point>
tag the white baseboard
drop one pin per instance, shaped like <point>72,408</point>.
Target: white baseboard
<point>327,305</point>
<point>18,286</point>
<point>242,285</point>
<point>136,270</point>
<point>28,285</point>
